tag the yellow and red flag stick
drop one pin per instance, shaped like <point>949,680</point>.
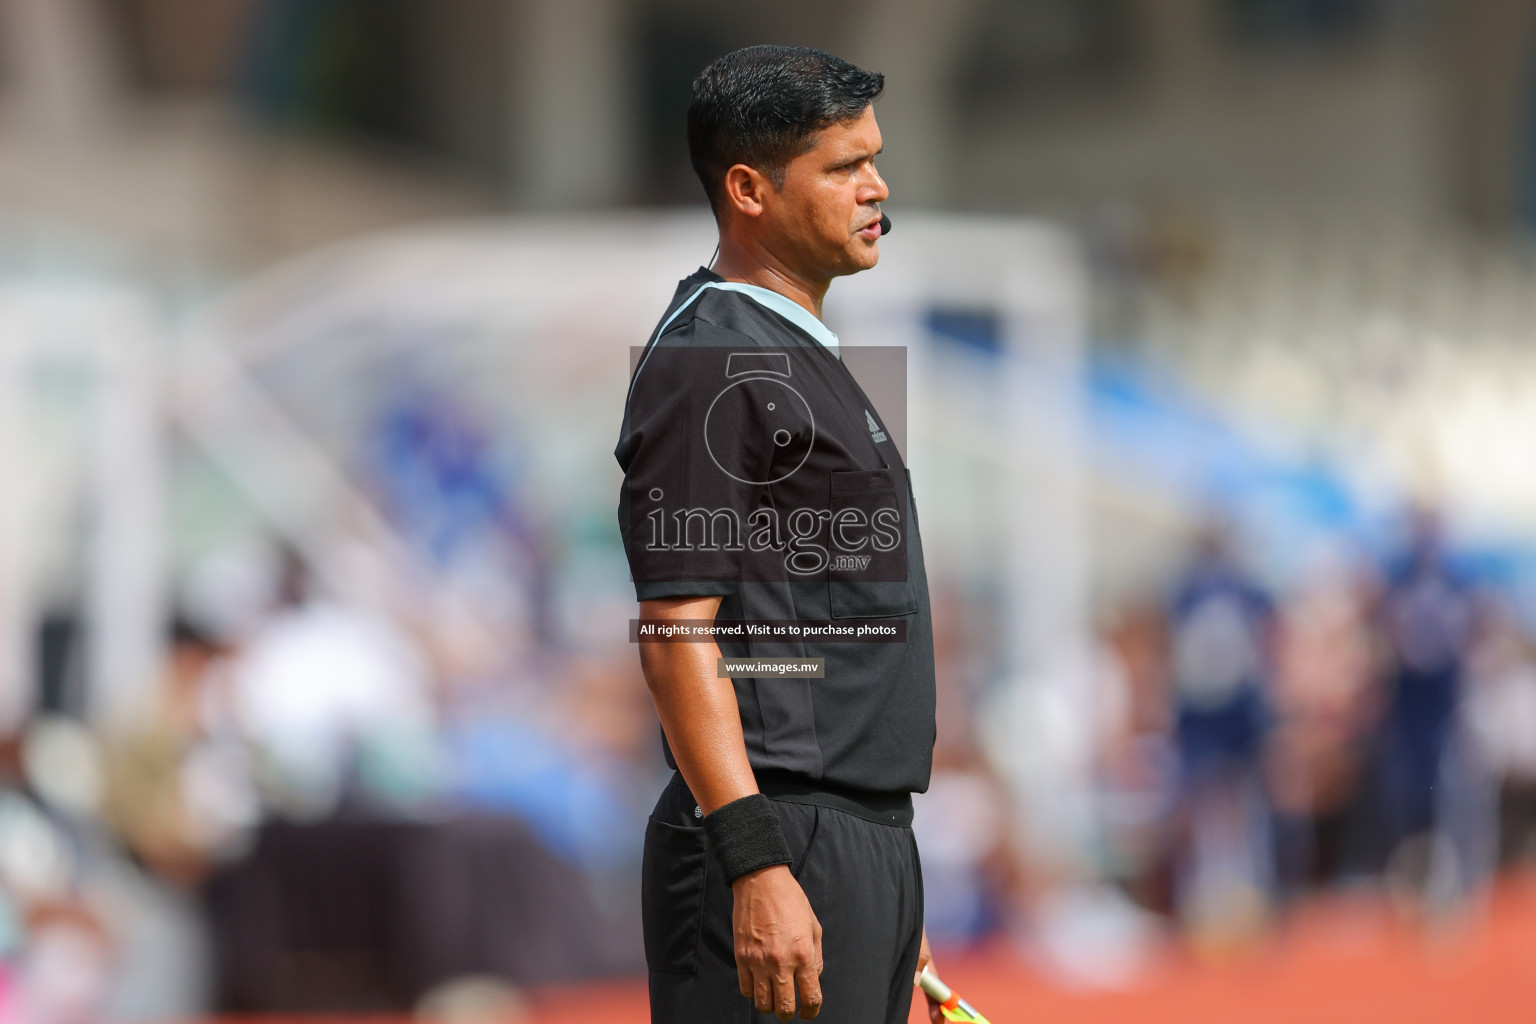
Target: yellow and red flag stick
<point>953,1007</point>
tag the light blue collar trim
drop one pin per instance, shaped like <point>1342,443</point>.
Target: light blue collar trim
<point>769,299</point>
<point>786,308</point>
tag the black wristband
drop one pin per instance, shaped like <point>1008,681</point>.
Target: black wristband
<point>745,835</point>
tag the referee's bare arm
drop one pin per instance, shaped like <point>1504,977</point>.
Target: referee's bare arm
<point>778,939</point>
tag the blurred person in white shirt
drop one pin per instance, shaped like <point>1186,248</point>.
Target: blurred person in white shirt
<point>319,682</point>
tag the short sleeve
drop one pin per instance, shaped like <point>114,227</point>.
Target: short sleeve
<point>694,469</point>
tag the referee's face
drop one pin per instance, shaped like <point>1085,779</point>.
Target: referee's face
<point>828,212</point>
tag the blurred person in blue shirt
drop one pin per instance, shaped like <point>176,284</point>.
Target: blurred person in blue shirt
<point>1221,625</point>
<point>1426,621</point>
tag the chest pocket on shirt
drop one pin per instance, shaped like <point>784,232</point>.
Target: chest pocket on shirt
<point>868,576</point>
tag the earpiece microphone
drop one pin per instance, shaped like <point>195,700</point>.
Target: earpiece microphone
<point>885,224</point>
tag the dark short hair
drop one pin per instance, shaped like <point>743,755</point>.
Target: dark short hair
<point>764,105</point>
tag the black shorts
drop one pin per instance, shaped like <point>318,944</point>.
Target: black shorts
<point>863,880</point>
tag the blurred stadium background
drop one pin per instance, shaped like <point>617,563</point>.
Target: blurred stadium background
<point>315,695</point>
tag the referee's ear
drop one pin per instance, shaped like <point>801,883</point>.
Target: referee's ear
<point>745,190</point>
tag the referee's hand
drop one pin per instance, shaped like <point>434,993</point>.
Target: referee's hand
<point>778,943</point>
<point>925,959</point>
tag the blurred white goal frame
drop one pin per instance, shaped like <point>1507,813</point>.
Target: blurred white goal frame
<point>112,341</point>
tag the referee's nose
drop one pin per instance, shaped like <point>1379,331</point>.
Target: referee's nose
<point>879,192</point>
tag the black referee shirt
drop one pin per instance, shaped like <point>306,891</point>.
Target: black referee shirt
<point>755,468</point>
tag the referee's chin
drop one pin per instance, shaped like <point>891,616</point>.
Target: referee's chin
<point>862,255</point>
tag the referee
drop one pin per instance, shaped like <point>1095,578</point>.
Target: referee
<point>780,869</point>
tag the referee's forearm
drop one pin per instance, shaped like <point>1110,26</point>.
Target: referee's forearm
<point>698,711</point>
